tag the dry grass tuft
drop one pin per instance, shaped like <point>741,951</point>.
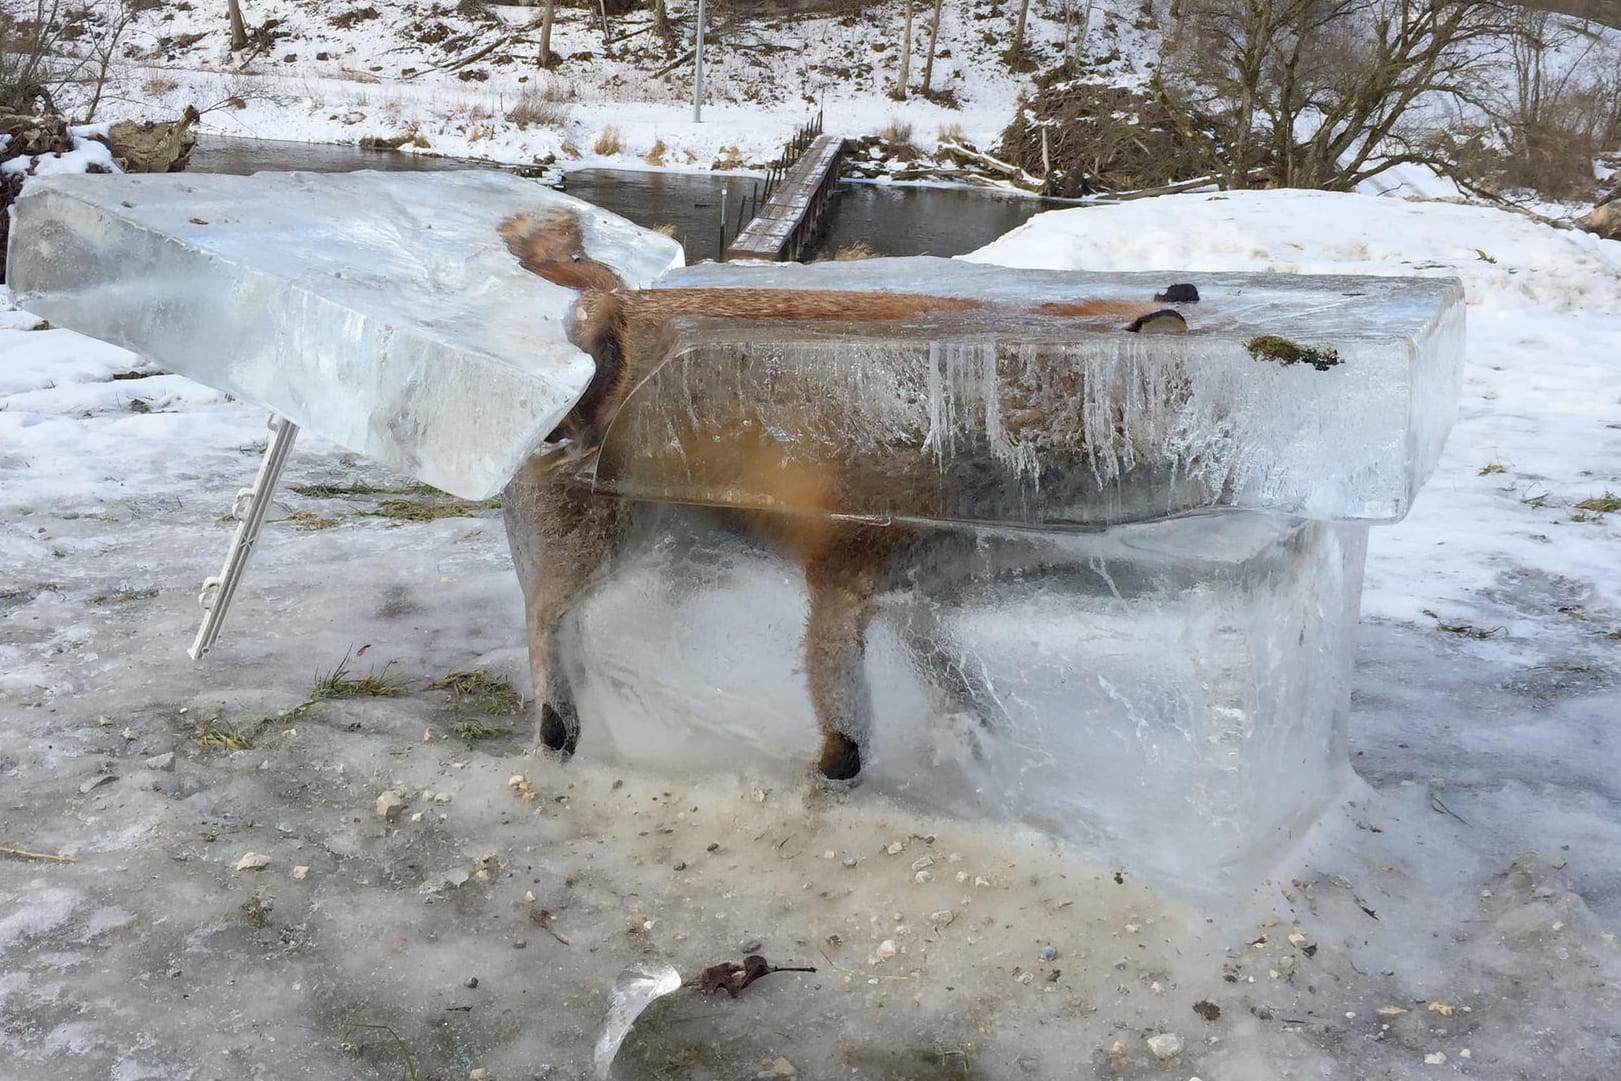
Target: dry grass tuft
<point>536,109</point>
<point>608,142</point>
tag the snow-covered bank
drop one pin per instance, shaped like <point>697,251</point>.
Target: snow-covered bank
<point>1411,939</point>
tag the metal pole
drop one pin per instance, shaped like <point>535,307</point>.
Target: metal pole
<point>720,252</point>
<point>698,70</point>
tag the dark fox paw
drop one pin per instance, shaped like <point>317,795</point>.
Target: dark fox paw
<point>841,758</point>
<point>557,733</point>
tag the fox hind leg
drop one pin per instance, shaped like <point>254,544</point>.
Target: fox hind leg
<point>843,567</point>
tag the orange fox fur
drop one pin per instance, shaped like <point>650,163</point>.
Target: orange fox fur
<point>561,534</point>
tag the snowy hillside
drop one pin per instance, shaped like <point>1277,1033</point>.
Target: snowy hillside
<point>463,80</point>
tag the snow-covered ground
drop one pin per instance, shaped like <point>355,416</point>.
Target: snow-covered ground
<point>462,79</point>
<point>1454,916</point>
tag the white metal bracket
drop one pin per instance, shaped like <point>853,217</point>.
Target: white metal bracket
<point>249,508</point>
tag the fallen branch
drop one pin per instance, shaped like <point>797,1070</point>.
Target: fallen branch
<point>24,854</point>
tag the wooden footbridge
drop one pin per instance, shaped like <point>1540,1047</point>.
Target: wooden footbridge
<point>785,217</point>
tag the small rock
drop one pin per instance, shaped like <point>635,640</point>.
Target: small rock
<point>982,882</point>
<point>942,917</point>
<point>164,761</point>
<point>713,846</point>
<point>301,872</point>
<point>96,782</point>
<point>1445,1009</point>
<point>680,865</point>
<point>1049,953</point>
<point>849,861</point>
<point>389,805</point>
<point>1165,1046</point>
<point>253,862</point>
<point>1207,1009</point>
<point>1297,940</point>
<point>516,781</point>
<point>1466,1053</point>
<point>923,878</point>
<point>896,848</point>
<point>829,854</point>
<point>529,896</point>
<point>478,1075</point>
<point>779,1067</point>
<point>922,862</point>
<point>887,949</point>
<point>1435,1058</point>
<point>1026,977</point>
<point>472,983</point>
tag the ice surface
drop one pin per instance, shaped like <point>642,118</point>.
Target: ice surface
<point>1000,415</point>
<point>379,310</point>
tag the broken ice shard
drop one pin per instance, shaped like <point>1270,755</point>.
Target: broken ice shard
<point>379,310</point>
<point>1006,415</point>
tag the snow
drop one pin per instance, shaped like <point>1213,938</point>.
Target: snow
<point>1472,866</point>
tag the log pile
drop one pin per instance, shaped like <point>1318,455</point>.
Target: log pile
<point>1083,138</point>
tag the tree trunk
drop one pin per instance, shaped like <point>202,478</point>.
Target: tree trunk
<point>239,30</point>
<point>661,21</point>
<point>1015,57</point>
<point>547,13</point>
<point>934,43</point>
<point>906,56</point>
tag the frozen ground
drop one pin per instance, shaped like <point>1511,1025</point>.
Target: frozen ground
<point>1470,880</point>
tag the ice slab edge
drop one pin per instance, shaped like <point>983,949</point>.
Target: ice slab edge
<point>381,311</point>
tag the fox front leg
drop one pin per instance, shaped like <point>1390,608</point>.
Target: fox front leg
<point>560,535</point>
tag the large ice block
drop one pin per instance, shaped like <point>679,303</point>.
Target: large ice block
<point>379,310</point>
<point>1173,695</point>
<point>1005,415</point>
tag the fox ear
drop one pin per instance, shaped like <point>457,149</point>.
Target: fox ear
<point>1164,321</point>
<point>548,243</point>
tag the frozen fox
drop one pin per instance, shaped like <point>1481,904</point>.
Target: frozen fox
<point>561,532</point>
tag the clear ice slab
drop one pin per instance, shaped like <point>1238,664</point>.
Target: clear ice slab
<point>1007,415</point>
<point>381,311</point>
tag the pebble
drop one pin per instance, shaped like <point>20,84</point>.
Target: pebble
<point>896,848</point>
<point>922,862</point>
<point>779,1067</point>
<point>1297,940</point>
<point>478,1075</point>
<point>389,805</point>
<point>472,983</point>
<point>301,872</point>
<point>942,917</point>
<point>849,861</point>
<point>1165,1046</point>
<point>829,854</point>
<point>164,761</point>
<point>887,949</point>
<point>96,782</point>
<point>680,865</point>
<point>923,878</point>
<point>713,846</point>
<point>1049,953</point>
<point>1435,1058</point>
<point>252,861</point>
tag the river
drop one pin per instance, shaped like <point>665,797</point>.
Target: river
<point>888,219</point>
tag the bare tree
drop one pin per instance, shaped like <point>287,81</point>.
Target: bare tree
<point>239,29</point>
<point>547,14</point>
<point>1323,93</point>
<point>906,56</point>
<point>934,43</point>
<point>1015,53</point>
